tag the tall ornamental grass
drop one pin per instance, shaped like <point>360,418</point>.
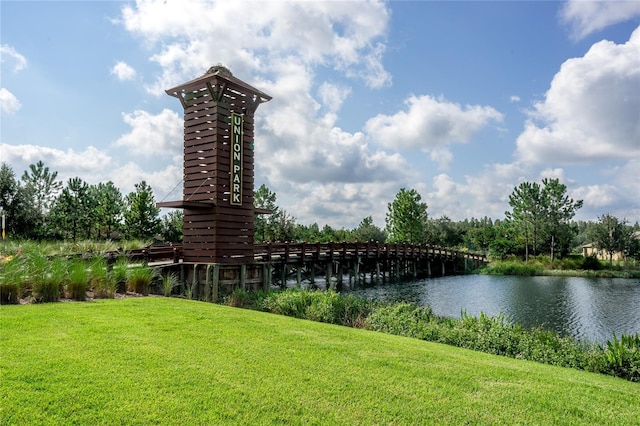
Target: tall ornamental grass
<point>119,271</point>
<point>48,278</point>
<point>102,282</point>
<point>169,282</point>
<point>139,279</point>
<point>78,280</point>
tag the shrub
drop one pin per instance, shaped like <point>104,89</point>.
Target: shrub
<point>119,274</point>
<point>78,280</point>
<point>49,278</point>
<point>513,268</point>
<point>292,303</point>
<point>321,306</point>
<point>11,277</point>
<point>169,281</point>
<point>9,293</point>
<point>139,278</point>
<point>591,262</point>
<point>402,318</point>
<point>103,284</point>
<point>622,357</point>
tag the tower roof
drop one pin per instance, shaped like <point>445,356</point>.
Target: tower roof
<point>217,75</point>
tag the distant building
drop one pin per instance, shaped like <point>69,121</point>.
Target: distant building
<point>591,249</point>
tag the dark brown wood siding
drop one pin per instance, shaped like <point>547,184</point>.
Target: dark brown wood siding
<point>223,234</point>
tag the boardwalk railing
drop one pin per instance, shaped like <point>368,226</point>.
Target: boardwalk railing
<point>300,252</point>
<point>292,252</point>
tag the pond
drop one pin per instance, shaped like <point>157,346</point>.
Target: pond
<point>587,308</point>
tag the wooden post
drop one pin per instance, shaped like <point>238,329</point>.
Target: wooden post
<point>266,276</point>
<point>243,276</point>
<point>207,283</point>
<point>284,275</point>
<point>328,275</point>
<point>182,279</point>
<point>194,282</point>
<point>356,270</point>
<point>215,281</point>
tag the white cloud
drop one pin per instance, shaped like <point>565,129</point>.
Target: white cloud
<point>514,98</point>
<point>153,135</point>
<point>10,52</point>
<point>428,123</point>
<point>94,166</point>
<point>161,181</point>
<point>586,17</point>
<point>591,111</point>
<point>478,195</point>
<point>91,162</point>
<point>346,36</point>
<point>9,104</point>
<point>123,71</point>
<point>333,95</point>
<point>597,196</point>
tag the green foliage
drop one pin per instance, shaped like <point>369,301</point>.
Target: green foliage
<point>612,235</point>
<point>154,360</point>
<point>102,282</point>
<point>495,335</point>
<point>499,336</point>
<point>169,282</point>
<point>367,231</point>
<point>290,303</point>
<point>171,226</point>
<point>107,210</point>
<point>622,357</point>
<point>512,267</point>
<point>119,272</point>
<point>591,263</point>
<point>139,279</point>
<point>48,277</point>
<point>11,280</point>
<point>275,226</point>
<point>9,293</point>
<point>322,306</point>
<point>41,189</point>
<point>403,319</point>
<point>78,280</point>
<point>245,299</point>
<point>141,214</point>
<point>406,218</point>
<point>72,213</point>
<point>540,216</point>
<point>19,210</point>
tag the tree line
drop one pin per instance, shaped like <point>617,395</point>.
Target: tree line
<point>40,207</point>
<point>540,220</point>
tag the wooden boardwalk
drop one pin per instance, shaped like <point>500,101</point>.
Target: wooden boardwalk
<point>329,265</point>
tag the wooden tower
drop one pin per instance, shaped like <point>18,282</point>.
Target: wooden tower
<point>218,167</point>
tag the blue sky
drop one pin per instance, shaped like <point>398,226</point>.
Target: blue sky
<point>460,100</point>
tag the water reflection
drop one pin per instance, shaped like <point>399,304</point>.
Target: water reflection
<point>587,308</point>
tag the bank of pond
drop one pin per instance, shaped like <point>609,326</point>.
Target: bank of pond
<point>44,280</point>
<point>35,279</point>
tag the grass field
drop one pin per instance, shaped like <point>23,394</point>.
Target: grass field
<point>154,360</point>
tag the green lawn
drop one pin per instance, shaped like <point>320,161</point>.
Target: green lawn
<point>156,360</point>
